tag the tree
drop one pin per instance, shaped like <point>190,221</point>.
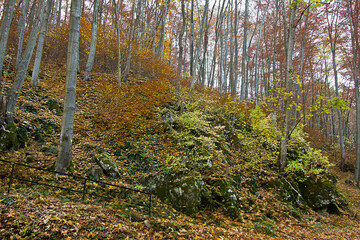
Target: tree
<point>178,76</point>
<point>94,26</point>
<point>333,34</point>
<point>21,28</point>
<point>39,49</point>
<point>24,63</point>
<point>4,31</point>
<point>63,160</point>
<point>354,12</point>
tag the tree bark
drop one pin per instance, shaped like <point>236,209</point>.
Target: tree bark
<point>24,63</point>
<point>94,27</point>
<point>4,30</point>
<point>39,49</point>
<point>130,44</point>
<point>178,75</point>
<point>63,160</point>
<point>21,26</point>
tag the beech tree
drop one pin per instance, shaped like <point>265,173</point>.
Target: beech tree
<point>24,63</point>
<point>63,159</point>
<point>4,31</point>
<point>39,49</point>
<point>94,27</point>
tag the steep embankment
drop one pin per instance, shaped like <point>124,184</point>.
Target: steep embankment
<point>207,157</point>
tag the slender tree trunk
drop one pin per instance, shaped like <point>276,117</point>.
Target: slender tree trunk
<point>4,30</point>
<point>94,27</point>
<point>21,26</point>
<point>288,72</point>
<point>117,27</point>
<point>130,44</point>
<point>257,53</point>
<point>354,11</point>
<point>192,38</point>
<point>197,52</point>
<point>243,61</point>
<point>333,40</point>
<point>63,160</point>
<point>24,63</point>
<point>178,75</point>
<point>39,49</point>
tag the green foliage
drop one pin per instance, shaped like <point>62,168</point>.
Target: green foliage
<point>305,160</point>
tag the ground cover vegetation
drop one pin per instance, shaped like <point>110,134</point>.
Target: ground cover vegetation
<point>234,141</point>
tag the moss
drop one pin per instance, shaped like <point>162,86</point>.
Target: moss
<point>189,195</point>
<point>54,107</point>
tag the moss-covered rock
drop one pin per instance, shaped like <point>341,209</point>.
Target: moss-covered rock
<point>12,137</point>
<point>189,195</point>
<point>55,107</point>
<point>108,165</point>
<point>225,195</point>
<point>320,194</point>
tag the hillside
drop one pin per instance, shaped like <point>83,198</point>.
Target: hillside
<point>210,163</point>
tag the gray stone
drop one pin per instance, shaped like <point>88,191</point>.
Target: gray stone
<point>108,165</point>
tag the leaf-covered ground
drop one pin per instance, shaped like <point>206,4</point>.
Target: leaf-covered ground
<point>37,212</point>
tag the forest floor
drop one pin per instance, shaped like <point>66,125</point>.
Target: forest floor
<point>38,212</point>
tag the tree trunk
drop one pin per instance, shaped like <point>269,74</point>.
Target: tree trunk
<point>333,40</point>
<point>130,44</point>
<point>288,72</point>
<point>354,30</point>
<point>21,26</point>
<point>197,52</point>
<point>4,30</point>
<point>243,61</point>
<point>257,53</point>
<point>178,75</point>
<point>91,57</point>
<point>117,27</point>
<point>24,63</point>
<point>63,160</point>
<point>39,49</point>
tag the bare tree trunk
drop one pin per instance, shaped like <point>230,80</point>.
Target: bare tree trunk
<point>160,46</point>
<point>4,30</point>
<point>130,44</point>
<point>94,27</point>
<point>39,49</point>
<point>257,53</point>
<point>354,11</point>
<point>243,61</point>
<point>197,52</point>
<point>24,63</point>
<point>288,71</point>
<point>21,26</point>
<point>178,75</point>
<point>117,27</point>
<point>332,25</point>
<point>63,160</point>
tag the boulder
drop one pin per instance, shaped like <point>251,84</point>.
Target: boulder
<point>12,137</point>
<point>107,164</point>
<point>225,195</point>
<point>320,194</point>
<point>189,195</point>
<point>55,107</point>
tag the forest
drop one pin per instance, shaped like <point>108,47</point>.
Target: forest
<point>239,118</point>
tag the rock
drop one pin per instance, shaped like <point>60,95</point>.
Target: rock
<point>54,107</point>
<point>320,193</point>
<point>147,223</point>
<point>12,137</point>
<point>168,117</point>
<point>108,165</point>
<point>96,172</point>
<point>226,197</point>
<point>189,195</point>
